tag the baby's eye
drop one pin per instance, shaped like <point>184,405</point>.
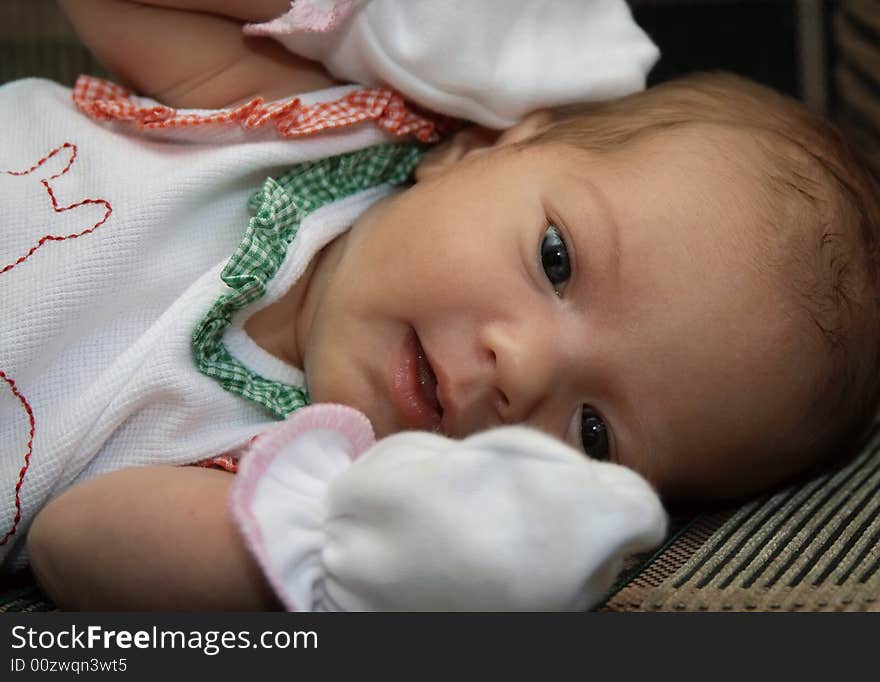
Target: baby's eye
<point>594,434</point>
<point>554,259</point>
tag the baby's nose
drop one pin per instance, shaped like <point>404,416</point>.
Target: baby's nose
<point>524,367</point>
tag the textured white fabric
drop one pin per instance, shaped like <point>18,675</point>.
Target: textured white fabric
<point>95,333</point>
<point>509,519</point>
<point>491,61</point>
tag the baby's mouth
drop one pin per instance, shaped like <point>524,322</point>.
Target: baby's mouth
<point>427,379</point>
<point>413,386</point>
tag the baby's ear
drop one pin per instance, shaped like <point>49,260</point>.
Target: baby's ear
<point>476,140</point>
<point>531,125</point>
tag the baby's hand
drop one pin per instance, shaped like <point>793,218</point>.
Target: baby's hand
<point>491,62</point>
<point>509,519</point>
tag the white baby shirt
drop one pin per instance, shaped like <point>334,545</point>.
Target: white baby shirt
<point>112,246</point>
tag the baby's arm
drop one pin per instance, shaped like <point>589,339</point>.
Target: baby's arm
<point>507,519</point>
<point>151,538</point>
<point>191,53</point>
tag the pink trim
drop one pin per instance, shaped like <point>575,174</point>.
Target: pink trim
<point>27,455</point>
<point>351,423</point>
<point>105,101</point>
<point>108,209</point>
<point>304,16</point>
<point>262,453</point>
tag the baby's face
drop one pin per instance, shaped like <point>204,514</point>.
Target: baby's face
<point>612,300</point>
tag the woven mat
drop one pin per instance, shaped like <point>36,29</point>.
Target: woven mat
<point>20,593</point>
<point>809,547</point>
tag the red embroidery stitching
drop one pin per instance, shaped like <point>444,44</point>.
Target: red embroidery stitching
<point>105,101</point>
<point>27,456</point>
<point>108,209</point>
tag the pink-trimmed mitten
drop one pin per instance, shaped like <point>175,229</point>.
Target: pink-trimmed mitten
<point>491,61</point>
<point>509,519</point>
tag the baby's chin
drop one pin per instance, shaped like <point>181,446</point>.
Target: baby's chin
<point>380,416</point>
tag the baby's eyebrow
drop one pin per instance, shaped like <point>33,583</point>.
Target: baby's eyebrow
<point>596,233</point>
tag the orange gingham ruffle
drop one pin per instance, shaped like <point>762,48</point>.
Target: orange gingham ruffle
<point>106,101</point>
<point>223,462</point>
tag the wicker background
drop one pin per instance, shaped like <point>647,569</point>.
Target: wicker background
<point>857,73</point>
<point>810,547</point>
<point>37,40</point>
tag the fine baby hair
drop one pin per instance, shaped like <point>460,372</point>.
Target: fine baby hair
<point>821,209</point>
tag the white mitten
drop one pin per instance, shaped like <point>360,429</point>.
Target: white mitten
<point>491,61</point>
<point>509,519</point>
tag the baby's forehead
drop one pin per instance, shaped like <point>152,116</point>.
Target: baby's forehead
<point>780,185</point>
<point>710,144</point>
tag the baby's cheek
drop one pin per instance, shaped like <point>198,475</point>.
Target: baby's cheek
<point>340,374</point>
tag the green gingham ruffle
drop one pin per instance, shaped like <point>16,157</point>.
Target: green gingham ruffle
<point>280,207</point>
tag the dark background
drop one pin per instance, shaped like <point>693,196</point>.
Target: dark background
<point>757,38</point>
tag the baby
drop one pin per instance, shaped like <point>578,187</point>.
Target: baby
<point>682,281</point>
